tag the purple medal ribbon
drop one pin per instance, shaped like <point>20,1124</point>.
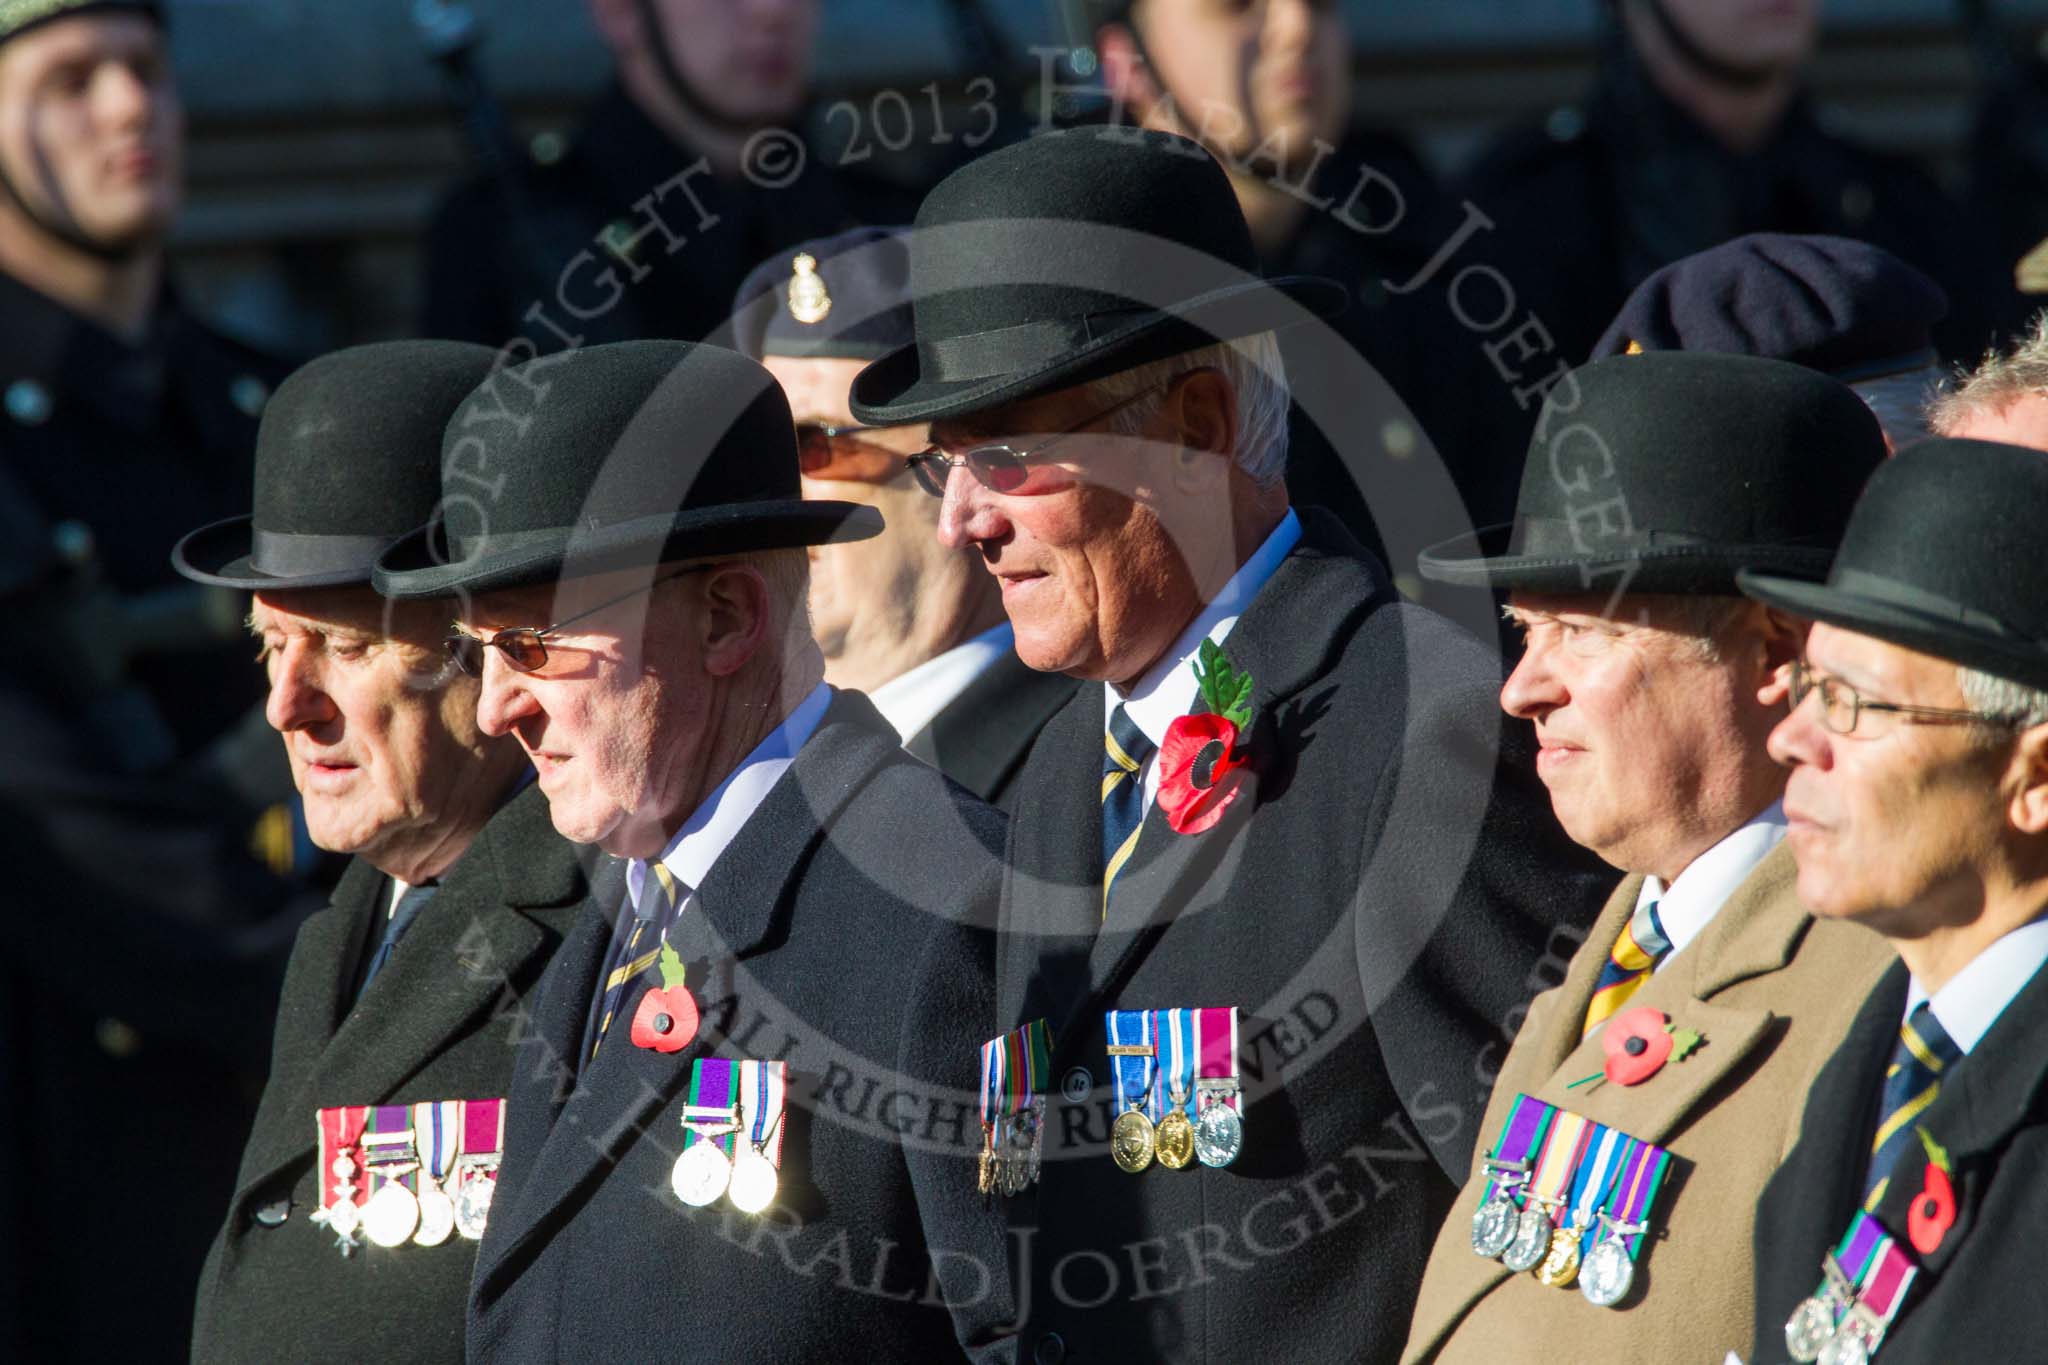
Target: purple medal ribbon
<point>1635,1190</point>
<point>711,1088</point>
<point>1519,1138</point>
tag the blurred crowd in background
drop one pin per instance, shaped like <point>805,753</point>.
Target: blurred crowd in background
<point>156,865</point>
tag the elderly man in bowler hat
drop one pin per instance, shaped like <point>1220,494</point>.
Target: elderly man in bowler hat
<point>1833,304</point>
<point>1268,832</point>
<point>786,925</point>
<point>916,625</point>
<point>1651,685</point>
<point>1918,801</point>
<point>457,896</point>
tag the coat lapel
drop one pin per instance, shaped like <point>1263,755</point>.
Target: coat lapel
<point>1052,898</point>
<point>622,1090</point>
<point>981,738</point>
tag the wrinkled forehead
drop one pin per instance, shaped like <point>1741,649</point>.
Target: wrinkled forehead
<point>544,604</point>
<point>1881,668</point>
<point>1042,415</point>
<point>356,610</point>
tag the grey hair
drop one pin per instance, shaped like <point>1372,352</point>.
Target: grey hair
<point>1256,373</point>
<point>1996,696</point>
<point>1901,401</point>
<point>2001,379</point>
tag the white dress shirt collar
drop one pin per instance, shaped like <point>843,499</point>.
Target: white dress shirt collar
<point>1689,904</point>
<point>910,700</point>
<point>715,823</point>
<point>1971,1001</point>
<point>1168,690</point>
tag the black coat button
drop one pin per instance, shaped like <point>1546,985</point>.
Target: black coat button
<point>1051,1349</point>
<point>273,1214</point>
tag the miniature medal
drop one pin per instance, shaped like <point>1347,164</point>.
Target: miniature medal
<point>1808,1329</point>
<point>1531,1242</point>
<point>1219,1135</point>
<point>1561,1263</point>
<point>753,1180</point>
<point>701,1173</point>
<point>1174,1139</point>
<point>1132,1141</point>
<point>437,1214</point>
<point>1607,1272</point>
<point>473,1202</point>
<point>1219,1127</point>
<point>392,1215</point>
<point>1493,1227</point>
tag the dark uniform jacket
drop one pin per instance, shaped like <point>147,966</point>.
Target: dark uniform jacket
<point>145,941</point>
<point>833,932</point>
<point>1371,904</point>
<point>496,251</point>
<point>1976,1296</point>
<point>1590,201</point>
<point>439,1022</point>
<point>981,738</point>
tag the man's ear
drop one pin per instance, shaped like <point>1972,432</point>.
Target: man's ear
<point>618,23</point>
<point>1125,73</point>
<point>2028,809</point>
<point>733,618</point>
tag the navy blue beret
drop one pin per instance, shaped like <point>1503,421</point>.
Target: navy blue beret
<point>842,297</point>
<point>1843,307</point>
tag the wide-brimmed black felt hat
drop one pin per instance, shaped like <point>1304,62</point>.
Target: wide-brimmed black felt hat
<point>1668,472</point>
<point>614,457</point>
<point>348,459</point>
<point>1071,256</point>
<point>1943,556</point>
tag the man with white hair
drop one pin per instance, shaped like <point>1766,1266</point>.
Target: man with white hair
<point>2004,399</point>
<point>1271,892</point>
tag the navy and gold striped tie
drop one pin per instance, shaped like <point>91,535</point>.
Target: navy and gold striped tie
<point>643,946</point>
<point>1630,962</point>
<point>1925,1055</point>
<point>1124,751</point>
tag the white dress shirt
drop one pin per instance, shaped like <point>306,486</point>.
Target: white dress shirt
<point>1168,690</point>
<point>1686,906</point>
<point>1970,1003</point>
<point>908,701</point>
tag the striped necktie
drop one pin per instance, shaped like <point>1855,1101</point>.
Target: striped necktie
<point>410,902</point>
<point>1635,955</point>
<point>1925,1054</point>
<point>1124,751</point>
<point>642,947</point>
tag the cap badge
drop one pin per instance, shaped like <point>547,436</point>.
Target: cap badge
<point>808,300</point>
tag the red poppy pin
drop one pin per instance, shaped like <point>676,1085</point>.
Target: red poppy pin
<point>1639,1041</point>
<point>1201,769</point>
<point>1934,1209</point>
<point>667,1018</point>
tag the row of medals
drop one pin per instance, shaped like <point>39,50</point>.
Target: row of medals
<point>1817,1331</point>
<point>1215,1138</point>
<point>394,1215</point>
<point>1527,1239</point>
<point>1010,1155</point>
<point>704,1172</point>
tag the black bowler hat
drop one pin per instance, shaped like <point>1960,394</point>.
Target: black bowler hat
<point>1071,256</point>
<point>614,457</point>
<point>348,459</point>
<point>1942,555</point>
<point>1832,304</point>
<point>1666,472</point>
<point>842,298</point>
<point>19,16</point>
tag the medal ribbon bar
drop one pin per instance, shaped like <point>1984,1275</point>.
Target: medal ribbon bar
<point>341,1133</point>
<point>1216,1054</point>
<point>1175,1030</point>
<point>435,1136</point>
<point>1609,1147</point>
<point>1528,1123</point>
<point>1641,1179</point>
<point>711,1088</point>
<point>483,1127</point>
<point>1879,1272</point>
<point>1560,1159</point>
<point>1132,1030</point>
<point>763,1091</point>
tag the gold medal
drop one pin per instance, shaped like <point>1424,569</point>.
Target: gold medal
<point>1561,1266</point>
<point>1175,1138</point>
<point>1132,1141</point>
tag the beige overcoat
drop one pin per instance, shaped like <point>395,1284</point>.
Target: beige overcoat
<point>1772,991</point>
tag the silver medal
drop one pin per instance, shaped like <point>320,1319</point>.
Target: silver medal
<point>342,1218</point>
<point>753,1180</point>
<point>1531,1241</point>
<point>1493,1227</point>
<point>1219,1136</point>
<point>437,1214</point>
<point>1606,1274</point>
<point>1808,1329</point>
<point>1845,1347</point>
<point>392,1215</point>
<point>473,1204</point>
<point>701,1174</point>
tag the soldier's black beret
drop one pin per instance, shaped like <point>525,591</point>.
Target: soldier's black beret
<point>845,297</point>
<point>1843,307</point>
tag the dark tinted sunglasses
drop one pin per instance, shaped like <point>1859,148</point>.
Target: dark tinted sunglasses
<point>524,647</point>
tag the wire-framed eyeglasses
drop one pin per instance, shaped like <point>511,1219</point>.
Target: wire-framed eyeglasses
<point>525,647</point>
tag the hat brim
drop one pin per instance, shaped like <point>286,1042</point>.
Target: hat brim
<point>219,555</point>
<point>417,565</point>
<point>1484,559</point>
<point>893,391</point>
<point>1901,624</point>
